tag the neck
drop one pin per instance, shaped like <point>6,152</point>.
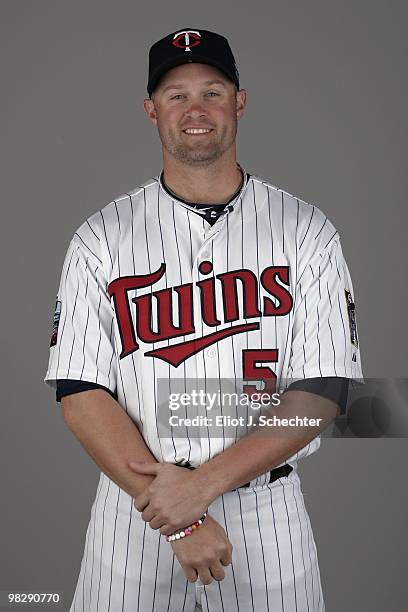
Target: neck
<point>212,184</point>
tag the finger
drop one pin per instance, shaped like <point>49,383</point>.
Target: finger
<point>139,507</point>
<point>148,514</point>
<point>190,573</point>
<point>226,558</point>
<point>141,500</point>
<point>156,523</point>
<point>166,529</point>
<point>217,571</point>
<point>204,574</point>
<point>144,468</point>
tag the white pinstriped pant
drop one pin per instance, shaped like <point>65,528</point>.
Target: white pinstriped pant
<point>128,567</point>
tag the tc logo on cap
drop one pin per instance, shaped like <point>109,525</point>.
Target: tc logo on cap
<point>186,39</point>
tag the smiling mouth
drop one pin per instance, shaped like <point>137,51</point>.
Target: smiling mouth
<point>197,131</point>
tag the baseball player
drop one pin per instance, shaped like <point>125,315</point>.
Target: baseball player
<point>204,274</point>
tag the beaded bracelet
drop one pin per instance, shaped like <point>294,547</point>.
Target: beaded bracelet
<point>178,535</point>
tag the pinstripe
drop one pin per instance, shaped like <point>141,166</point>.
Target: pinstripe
<point>93,542</point>
<point>242,265</point>
<point>320,231</point>
<point>106,237</point>
<point>111,340</point>
<point>286,344</point>
<point>113,550</point>
<point>204,365</point>
<point>87,247</point>
<point>246,549</point>
<point>222,603</point>
<point>157,567</point>
<point>275,341</point>
<point>318,324</point>
<point>166,284</point>
<point>86,327</point>
<point>342,320</point>
<point>262,550</point>
<point>72,319</point>
<point>301,543</point>
<point>330,239</point>
<point>310,559</point>
<point>290,541</point>
<point>295,283</point>
<point>184,338</point>
<point>101,552</point>
<point>331,331</point>
<point>140,420</point>
<point>87,540</point>
<point>231,324</point>
<point>171,582</point>
<point>270,487</point>
<point>115,523</point>
<point>232,564</point>
<point>283,225</point>
<point>218,358</point>
<point>65,317</point>
<point>304,335</point>
<point>141,567</point>
<point>206,598</point>
<point>92,230</point>
<point>87,549</point>
<point>127,556</point>
<point>310,220</point>
<point>150,269</point>
<point>257,258</point>
<point>185,596</point>
<point>100,335</point>
<point>122,387</point>
<point>117,214</point>
<point>191,243</point>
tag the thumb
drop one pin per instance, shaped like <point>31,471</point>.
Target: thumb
<point>144,468</point>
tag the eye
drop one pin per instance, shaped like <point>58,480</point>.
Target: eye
<point>213,93</point>
<point>177,97</point>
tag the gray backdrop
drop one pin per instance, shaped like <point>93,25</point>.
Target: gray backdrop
<point>326,120</point>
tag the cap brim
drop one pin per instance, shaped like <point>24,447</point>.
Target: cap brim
<point>179,61</point>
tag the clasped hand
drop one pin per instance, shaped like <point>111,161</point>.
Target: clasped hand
<point>175,498</point>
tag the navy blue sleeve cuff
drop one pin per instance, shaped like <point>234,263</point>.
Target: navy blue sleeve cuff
<point>70,386</point>
<point>333,388</point>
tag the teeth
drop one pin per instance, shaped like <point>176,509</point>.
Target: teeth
<point>197,131</point>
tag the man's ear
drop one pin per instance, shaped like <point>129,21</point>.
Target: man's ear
<point>240,102</point>
<point>150,110</point>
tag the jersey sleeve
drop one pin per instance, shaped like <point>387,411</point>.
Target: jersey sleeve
<point>82,340</point>
<point>325,335</point>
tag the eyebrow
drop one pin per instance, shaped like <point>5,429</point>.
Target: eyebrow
<point>206,83</point>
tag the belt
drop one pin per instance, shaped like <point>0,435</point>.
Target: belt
<point>279,472</point>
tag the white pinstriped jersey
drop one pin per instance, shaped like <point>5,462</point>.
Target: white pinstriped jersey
<point>149,290</point>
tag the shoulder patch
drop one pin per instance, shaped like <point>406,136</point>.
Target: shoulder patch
<point>57,315</point>
<point>351,311</point>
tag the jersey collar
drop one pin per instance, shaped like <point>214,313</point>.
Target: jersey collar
<point>233,199</point>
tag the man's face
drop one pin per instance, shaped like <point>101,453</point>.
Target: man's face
<point>195,108</point>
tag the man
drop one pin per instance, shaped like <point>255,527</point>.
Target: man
<point>205,273</point>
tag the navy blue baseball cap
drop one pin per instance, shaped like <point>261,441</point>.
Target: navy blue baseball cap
<point>187,46</point>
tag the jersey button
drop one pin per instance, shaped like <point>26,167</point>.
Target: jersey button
<point>211,352</point>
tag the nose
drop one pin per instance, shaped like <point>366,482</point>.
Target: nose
<point>195,110</point>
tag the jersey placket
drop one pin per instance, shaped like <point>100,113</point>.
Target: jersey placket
<point>207,360</point>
